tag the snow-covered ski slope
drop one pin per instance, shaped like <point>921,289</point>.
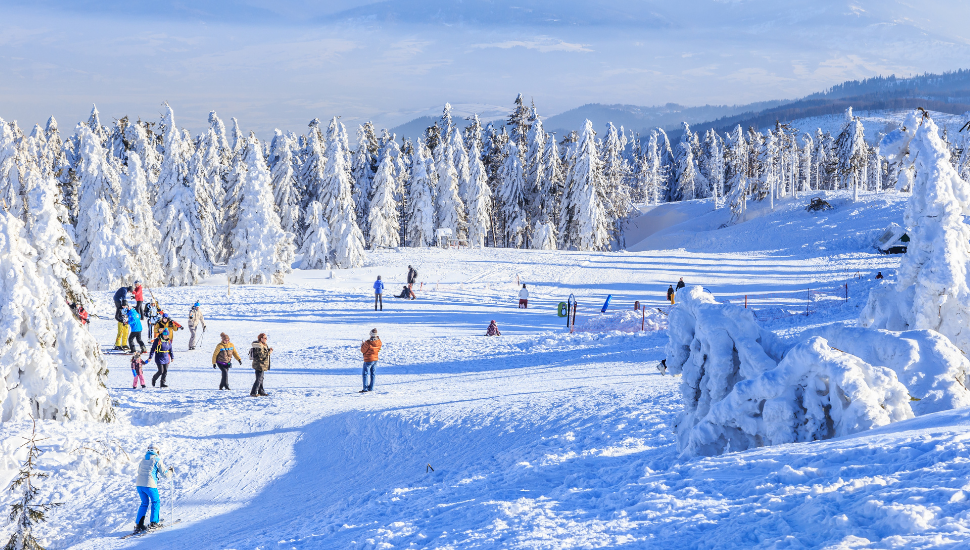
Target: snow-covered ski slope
<point>537,439</point>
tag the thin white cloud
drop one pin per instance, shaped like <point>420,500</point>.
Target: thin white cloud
<point>542,44</point>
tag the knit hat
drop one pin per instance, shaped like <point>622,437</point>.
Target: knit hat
<point>373,332</point>
<point>197,304</point>
<point>165,315</point>
<point>223,335</point>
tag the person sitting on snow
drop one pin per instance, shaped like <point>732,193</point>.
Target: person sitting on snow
<point>879,275</point>
<point>492,329</point>
<point>147,485</point>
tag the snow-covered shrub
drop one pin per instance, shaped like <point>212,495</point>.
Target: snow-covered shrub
<point>932,285</point>
<point>816,392</point>
<point>931,368</point>
<point>743,387</point>
<point>50,364</point>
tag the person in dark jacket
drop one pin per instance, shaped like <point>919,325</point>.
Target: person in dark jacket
<point>379,293</point>
<point>492,329</point>
<point>680,284</point>
<point>261,354</point>
<point>670,294</point>
<point>164,356</point>
<point>879,275</point>
<point>412,278</point>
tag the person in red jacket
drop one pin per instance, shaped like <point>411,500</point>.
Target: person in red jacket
<point>370,348</point>
<point>139,299</point>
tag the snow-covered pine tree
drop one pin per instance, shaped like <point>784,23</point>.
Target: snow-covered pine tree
<point>50,237</point>
<point>690,182</point>
<point>714,165</point>
<point>236,140</point>
<point>451,210</point>
<point>262,252</point>
<point>616,189</point>
<point>519,123</point>
<point>963,164</point>
<point>52,366</point>
<point>668,165</point>
<point>553,179</point>
<point>346,239</point>
<point>567,211</point>
<point>382,217</point>
<point>589,227</point>
<point>106,262</point>
<point>938,257</point>
<point>284,183</point>
<point>143,230</point>
<point>363,168</point>
<point>479,200</point>
<point>473,136</point>
<point>185,243</point>
<point>806,154</point>
<point>420,203</point>
<point>532,166</point>
<point>142,141</point>
<point>512,199</point>
<point>98,129</point>
<point>97,180</point>
<point>459,157</point>
<point>852,154</point>
<point>312,171</point>
<point>316,243</point>
<point>12,196</point>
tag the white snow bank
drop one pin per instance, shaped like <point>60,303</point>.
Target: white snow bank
<point>933,370</point>
<point>626,321</point>
<point>739,393</point>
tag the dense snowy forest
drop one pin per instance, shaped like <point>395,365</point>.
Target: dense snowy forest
<point>146,200</point>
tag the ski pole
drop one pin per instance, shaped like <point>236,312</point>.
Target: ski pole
<point>172,493</point>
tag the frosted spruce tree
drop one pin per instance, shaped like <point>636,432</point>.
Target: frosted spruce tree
<point>420,201</point>
<point>11,181</point>
<point>347,241</point>
<point>512,197</point>
<point>51,365</point>
<point>451,211</point>
<point>479,200</point>
<point>938,257</point>
<point>143,230</point>
<point>106,263</point>
<point>852,154</point>
<point>690,182</point>
<point>714,166</point>
<point>262,252</point>
<point>382,217</point>
<point>311,174</point>
<point>589,229</point>
<point>363,167</point>
<point>185,244</point>
<point>616,183</point>
<point>50,237</point>
<point>533,169</point>
<point>459,157</point>
<point>316,244</point>
<point>284,183</point>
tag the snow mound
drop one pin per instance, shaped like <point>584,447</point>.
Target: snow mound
<point>933,370</point>
<point>743,388</point>
<point>626,321</point>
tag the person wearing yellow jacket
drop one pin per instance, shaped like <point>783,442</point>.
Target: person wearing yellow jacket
<point>222,359</point>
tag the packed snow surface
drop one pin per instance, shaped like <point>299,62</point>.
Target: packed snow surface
<point>535,439</point>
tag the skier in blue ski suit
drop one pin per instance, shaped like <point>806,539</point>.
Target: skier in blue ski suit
<point>134,330</point>
<point>379,293</point>
<point>147,485</point>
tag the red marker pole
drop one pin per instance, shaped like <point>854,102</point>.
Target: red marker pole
<point>643,318</point>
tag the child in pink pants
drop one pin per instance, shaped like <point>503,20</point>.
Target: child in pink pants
<point>136,364</point>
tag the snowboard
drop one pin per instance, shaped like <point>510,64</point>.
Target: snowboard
<point>147,532</point>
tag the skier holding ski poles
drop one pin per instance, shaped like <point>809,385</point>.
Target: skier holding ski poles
<point>147,484</point>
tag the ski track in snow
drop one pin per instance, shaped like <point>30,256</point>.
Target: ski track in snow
<point>537,439</point>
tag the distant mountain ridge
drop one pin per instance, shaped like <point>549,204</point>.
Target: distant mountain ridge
<point>947,93</point>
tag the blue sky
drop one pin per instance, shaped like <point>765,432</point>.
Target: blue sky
<point>279,64</point>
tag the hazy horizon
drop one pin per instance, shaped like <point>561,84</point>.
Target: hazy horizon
<point>283,64</point>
